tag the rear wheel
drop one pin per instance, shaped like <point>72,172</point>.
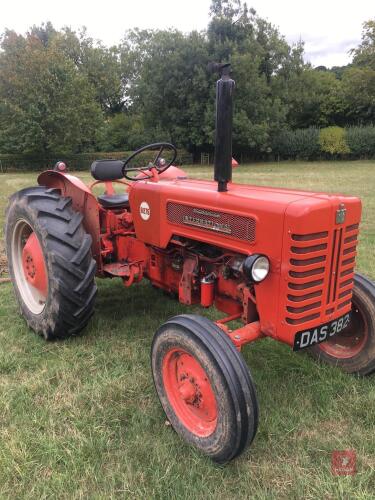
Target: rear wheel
<point>204,386</point>
<point>50,262</point>
<point>353,350</point>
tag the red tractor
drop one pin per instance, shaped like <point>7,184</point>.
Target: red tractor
<point>280,261</point>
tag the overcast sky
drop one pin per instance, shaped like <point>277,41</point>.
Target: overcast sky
<point>329,27</point>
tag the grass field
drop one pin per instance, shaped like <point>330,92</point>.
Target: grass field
<point>80,418</point>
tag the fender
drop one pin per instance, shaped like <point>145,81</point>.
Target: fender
<point>83,201</point>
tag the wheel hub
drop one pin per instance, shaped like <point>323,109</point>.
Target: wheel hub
<point>33,264</point>
<point>187,391</point>
<point>350,341</point>
<point>190,392</point>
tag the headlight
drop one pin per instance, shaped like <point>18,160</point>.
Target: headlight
<point>256,267</point>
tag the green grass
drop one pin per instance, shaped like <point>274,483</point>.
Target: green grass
<point>80,418</point>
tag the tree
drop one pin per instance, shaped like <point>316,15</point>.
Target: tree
<point>61,90</point>
<point>358,90</point>
<point>314,99</point>
<point>364,54</point>
<point>100,65</point>
<point>262,64</point>
<point>46,104</point>
<point>170,88</point>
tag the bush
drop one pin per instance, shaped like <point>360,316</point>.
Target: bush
<point>361,141</point>
<point>332,140</point>
<point>300,143</point>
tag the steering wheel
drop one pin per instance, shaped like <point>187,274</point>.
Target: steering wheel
<point>158,165</point>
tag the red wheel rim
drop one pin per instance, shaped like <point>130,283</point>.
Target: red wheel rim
<point>189,392</point>
<point>33,264</point>
<point>350,341</point>
<point>29,267</point>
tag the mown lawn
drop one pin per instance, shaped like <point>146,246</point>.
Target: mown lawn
<point>80,418</point>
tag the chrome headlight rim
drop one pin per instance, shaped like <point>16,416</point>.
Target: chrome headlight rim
<point>256,267</point>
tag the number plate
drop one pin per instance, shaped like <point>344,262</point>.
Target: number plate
<point>320,333</point>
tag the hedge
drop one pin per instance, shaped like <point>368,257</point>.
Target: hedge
<point>75,162</point>
<point>326,143</point>
<point>307,144</point>
<point>361,141</point>
<point>301,143</point>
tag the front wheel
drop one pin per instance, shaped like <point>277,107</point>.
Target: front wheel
<point>353,350</point>
<point>204,386</point>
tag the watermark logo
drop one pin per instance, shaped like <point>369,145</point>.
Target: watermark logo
<point>343,462</point>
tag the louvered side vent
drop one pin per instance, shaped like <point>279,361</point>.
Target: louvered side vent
<point>308,261</point>
<point>320,274</point>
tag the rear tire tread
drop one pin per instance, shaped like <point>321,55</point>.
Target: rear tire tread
<point>67,250</point>
<point>362,363</point>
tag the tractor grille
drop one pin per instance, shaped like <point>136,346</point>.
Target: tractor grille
<point>320,273</point>
<point>236,226</point>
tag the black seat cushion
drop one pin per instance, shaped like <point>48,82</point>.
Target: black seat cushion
<point>107,170</point>
<point>114,200</point>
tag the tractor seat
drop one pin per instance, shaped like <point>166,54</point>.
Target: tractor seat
<point>114,200</point>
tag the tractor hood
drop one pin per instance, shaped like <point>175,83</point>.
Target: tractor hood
<point>245,219</point>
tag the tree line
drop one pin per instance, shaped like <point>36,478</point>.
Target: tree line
<point>61,91</point>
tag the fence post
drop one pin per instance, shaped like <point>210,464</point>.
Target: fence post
<point>205,158</point>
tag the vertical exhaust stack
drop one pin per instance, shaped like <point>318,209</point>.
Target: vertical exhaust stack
<point>224,121</point>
